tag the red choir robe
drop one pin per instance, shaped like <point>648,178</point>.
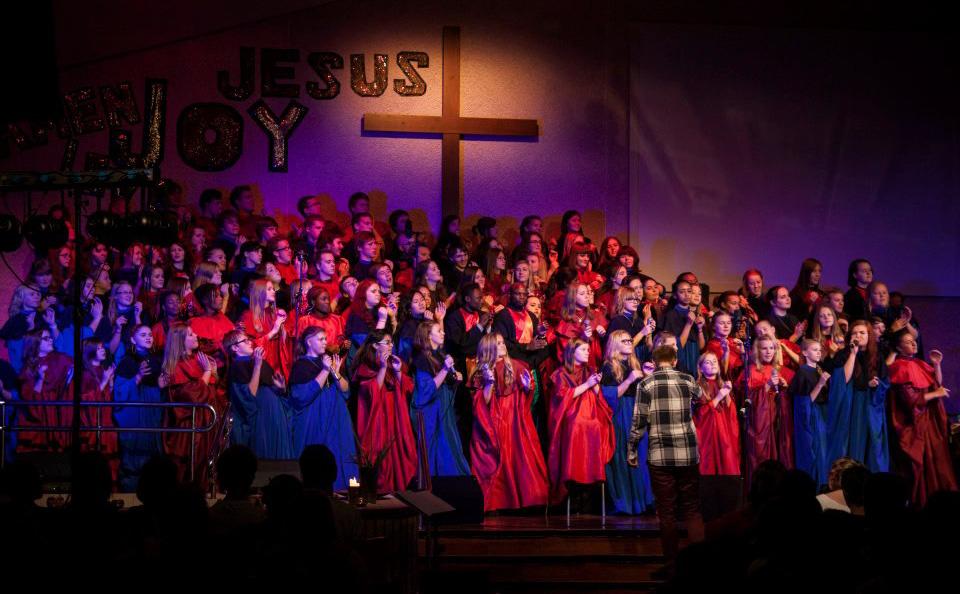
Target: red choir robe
<point>793,347</point>
<point>580,433</point>
<point>922,431</point>
<point>55,388</point>
<point>589,277</point>
<point>151,305</point>
<point>505,451</point>
<point>734,363</point>
<point>383,421</point>
<point>567,330</point>
<point>718,431</point>
<point>332,287</point>
<point>332,324</point>
<point>278,351</point>
<point>288,272</point>
<point>770,418</point>
<point>109,442</point>
<point>187,385</point>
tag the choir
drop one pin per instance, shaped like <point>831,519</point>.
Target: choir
<point>520,365</point>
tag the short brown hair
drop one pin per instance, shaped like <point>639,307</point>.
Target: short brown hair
<point>664,354</point>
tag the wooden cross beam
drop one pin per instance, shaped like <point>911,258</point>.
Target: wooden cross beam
<point>450,125</point>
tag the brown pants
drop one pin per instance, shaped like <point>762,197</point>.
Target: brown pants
<point>676,492</point>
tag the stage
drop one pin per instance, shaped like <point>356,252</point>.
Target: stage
<point>540,553</point>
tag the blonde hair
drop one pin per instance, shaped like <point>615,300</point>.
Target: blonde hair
<point>620,302</point>
<point>175,349</point>
<point>613,356</point>
<point>112,306</point>
<point>702,358</point>
<point>205,273</point>
<point>258,302</point>
<point>487,355</point>
<point>569,310</point>
<point>17,301</point>
<point>777,355</point>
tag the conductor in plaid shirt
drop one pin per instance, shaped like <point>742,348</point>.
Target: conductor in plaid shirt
<point>664,411</point>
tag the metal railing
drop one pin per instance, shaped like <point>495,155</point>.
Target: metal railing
<point>99,429</point>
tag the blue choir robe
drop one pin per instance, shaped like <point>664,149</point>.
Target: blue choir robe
<point>137,448</point>
<point>436,407</point>
<point>628,487</point>
<point>674,321</point>
<point>12,333</point>
<point>260,421</point>
<point>868,436</point>
<point>810,424</point>
<point>839,407</point>
<point>320,416</point>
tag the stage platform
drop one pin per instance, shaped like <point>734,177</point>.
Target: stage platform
<point>540,553</point>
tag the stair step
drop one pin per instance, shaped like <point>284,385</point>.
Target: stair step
<point>588,573</point>
<point>560,546</point>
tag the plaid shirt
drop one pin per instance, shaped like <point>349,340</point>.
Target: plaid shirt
<point>664,409</point>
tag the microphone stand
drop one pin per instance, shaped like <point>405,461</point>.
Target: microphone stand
<point>745,414</point>
<point>298,298</point>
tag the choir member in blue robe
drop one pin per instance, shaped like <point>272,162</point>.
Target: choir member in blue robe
<point>868,438</point>
<point>808,392</point>
<point>435,386</point>
<point>629,487</point>
<point>137,380</point>
<point>687,325</point>
<point>840,400</point>
<point>260,417</point>
<point>24,317</point>
<point>318,399</point>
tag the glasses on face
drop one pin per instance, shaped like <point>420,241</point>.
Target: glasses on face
<point>632,298</point>
<point>283,248</point>
<point>46,338</point>
<point>626,341</point>
<point>386,343</point>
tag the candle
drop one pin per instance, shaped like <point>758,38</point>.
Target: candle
<point>353,482</point>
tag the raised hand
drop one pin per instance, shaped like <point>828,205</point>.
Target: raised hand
<point>120,323</point>
<point>648,368</point>
<point>206,364</point>
<point>164,380</point>
<point>335,362</point>
<point>825,377</point>
<point>278,380</point>
<point>327,362</point>
<point>96,308</point>
<point>449,363</point>
<point>440,311</point>
<point>936,357</point>
<point>258,354</point>
<point>396,364</point>
<point>526,379</point>
<point>50,317</point>
<point>138,309</point>
<point>382,313</point>
<point>874,382</point>
<point>42,371</point>
<point>31,320</point>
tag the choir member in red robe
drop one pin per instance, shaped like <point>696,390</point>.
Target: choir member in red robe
<point>579,261</point>
<point>578,321</point>
<point>715,416</point>
<point>789,351</point>
<point>919,419</point>
<point>769,412</point>
<point>169,316</point>
<point>45,376</point>
<point>523,333</point>
<point>505,451</point>
<point>264,322</point>
<point>581,433</point>
<point>383,414</point>
<point>190,376</point>
<point>322,315</point>
<point>97,386</point>
<point>729,351</point>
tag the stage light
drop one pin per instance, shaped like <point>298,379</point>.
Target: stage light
<point>45,233</point>
<point>106,227</point>
<point>10,237</point>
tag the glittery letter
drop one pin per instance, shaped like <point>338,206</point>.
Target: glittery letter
<point>247,72</point>
<point>156,118</point>
<point>271,70</point>
<point>358,75</point>
<point>322,62</point>
<point>224,122</point>
<point>119,149</point>
<point>418,86</point>
<point>278,131</point>
<point>119,102</point>
<point>82,111</point>
<point>69,154</point>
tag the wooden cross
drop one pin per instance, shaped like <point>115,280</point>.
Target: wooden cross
<point>450,125</point>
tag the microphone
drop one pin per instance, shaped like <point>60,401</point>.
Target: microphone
<point>300,254</point>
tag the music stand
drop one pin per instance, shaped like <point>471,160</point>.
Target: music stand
<point>428,505</point>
